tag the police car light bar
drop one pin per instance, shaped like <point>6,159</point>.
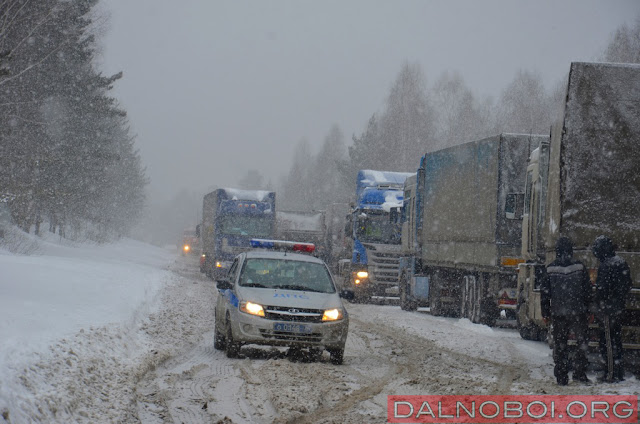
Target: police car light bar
<point>283,245</point>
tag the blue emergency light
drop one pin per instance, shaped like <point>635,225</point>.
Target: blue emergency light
<point>283,245</point>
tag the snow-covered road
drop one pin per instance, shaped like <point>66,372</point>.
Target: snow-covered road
<point>159,365</point>
<point>388,352</point>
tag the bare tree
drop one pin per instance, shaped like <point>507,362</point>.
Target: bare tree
<point>294,194</point>
<point>326,181</point>
<point>524,106</point>
<point>407,128</point>
<point>460,117</point>
<point>624,45</point>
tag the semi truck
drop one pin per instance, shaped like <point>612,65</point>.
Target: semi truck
<point>302,226</point>
<point>584,183</point>
<point>374,233</point>
<point>461,228</point>
<point>230,219</point>
<point>190,242</point>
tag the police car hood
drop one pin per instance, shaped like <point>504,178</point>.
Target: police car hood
<point>290,298</point>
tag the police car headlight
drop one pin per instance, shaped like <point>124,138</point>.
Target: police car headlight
<point>332,315</point>
<point>252,308</point>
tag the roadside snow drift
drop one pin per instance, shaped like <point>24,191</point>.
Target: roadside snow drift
<point>66,289</point>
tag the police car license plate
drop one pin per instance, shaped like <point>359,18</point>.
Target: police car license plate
<point>292,328</point>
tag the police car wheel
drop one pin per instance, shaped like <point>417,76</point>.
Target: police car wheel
<point>232,348</point>
<point>337,356</point>
<point>218,340</point>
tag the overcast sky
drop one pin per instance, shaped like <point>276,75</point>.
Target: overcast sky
<point>215,88</point>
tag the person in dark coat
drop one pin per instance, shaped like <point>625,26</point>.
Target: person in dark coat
<point>613,284</point>
<point>565,298</point>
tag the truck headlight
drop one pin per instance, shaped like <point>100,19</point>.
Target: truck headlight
<point>252,308</point>
<point>332,314</point>
<point>362,274</point>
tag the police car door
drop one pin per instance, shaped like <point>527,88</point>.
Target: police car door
<point>226,297</point>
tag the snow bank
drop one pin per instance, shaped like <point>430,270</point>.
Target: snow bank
<point>67,289</point>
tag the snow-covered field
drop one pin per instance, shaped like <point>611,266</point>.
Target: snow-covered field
<point>122,333</point>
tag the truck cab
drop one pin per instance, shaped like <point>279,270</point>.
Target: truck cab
<point>530,273</point>
<point>230,219</point>
<point>413,286</point>
<point>375,230</point>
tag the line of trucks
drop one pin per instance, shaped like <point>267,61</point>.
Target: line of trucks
<point>232,217</point>
<point>470,232</point>
<point>480,220</point>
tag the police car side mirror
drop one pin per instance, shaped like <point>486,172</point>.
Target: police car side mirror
<point>347,294</point>
<point>224,284</point>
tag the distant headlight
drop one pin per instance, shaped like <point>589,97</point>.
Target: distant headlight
<point>252,308</point>
<point>332,315</point>
<point>186,248</point>
<point>218,264</point>
<point>362,274</point>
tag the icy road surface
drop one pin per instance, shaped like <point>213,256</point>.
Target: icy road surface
<point>388,351</point>
<point>164,369</point>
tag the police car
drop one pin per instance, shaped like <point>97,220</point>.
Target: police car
<point>280,298</point>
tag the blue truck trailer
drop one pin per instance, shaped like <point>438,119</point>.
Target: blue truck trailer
<point>230,219</point>
<point>461,232</point>
<point>374,229</point>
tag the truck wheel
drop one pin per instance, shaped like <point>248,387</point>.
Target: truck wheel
<point>525,332</point>
<point>488,312</point>
<point>525,329</point>
<point>543,335</point>
<point>232,347</point>
<point>485,310</point>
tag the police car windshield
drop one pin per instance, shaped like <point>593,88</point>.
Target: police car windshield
<point>286,274</point>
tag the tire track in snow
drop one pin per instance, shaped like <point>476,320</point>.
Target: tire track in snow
<point>180,329</point>
<point>199,384</point>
